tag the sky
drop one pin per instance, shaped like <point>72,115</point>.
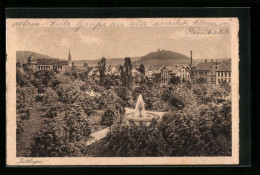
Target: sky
<point>89,44</point>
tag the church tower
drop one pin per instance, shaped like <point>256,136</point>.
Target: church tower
<point>69,60</point>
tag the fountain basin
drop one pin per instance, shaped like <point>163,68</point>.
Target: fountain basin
<point>92,94</point>
<point>148,118</point>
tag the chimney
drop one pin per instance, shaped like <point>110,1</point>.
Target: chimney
<point>205,60</point>
<point>191,58</point>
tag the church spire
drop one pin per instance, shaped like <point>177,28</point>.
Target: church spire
<point>69,60</point>
<point>69,57</point>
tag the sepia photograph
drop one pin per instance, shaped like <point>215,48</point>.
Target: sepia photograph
<point>129,91</point>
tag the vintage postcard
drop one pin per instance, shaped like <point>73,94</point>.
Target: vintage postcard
<point>122,91</point>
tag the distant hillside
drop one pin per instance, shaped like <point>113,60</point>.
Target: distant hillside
<point>159,58</point>
<point>109,61</point>
<point>163,57</point>
<point>22,56</point>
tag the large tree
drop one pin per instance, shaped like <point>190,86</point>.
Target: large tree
<point>126,72</point>
<point>66,132</point>
<point>102,70</point>
<point>142,69</point>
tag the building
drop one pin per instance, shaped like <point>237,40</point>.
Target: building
<point>48,64</point>
<point>178,70</point>
<point>112,70</point>
<point>135,72</point>
<point>223,74</point>
<point>149,74</point>
<point>206,70</point>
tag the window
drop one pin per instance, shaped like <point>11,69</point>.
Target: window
<point>225,74</point>
<point>206,73</point>
<point>221,74</point>
<point>216,67</point>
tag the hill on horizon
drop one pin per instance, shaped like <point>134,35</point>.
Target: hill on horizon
<point>163,57</point>
<point>158,58</point>
<point>22,56</point>
<point>109,61</point>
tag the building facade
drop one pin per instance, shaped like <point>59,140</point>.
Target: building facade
<point>167,72</point>
<point>206,71</point>
<point>223,74</point>
<point>48,64</point>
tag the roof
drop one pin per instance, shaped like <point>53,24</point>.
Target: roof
<point>51,62</point>
<point>135,72</point>
<point>173,69</point>
<point>204,66</point>
<point>224,66</point>
<point>193,64</point>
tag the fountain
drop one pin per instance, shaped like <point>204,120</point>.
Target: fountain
<point>139,114</point>
<point>92,93</point>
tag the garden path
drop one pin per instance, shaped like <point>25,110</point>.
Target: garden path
<point>98,135</point>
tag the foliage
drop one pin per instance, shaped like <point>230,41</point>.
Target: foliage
<point>126,72</point>
<point>19,127</point>
<point>175,80</point>
<point>88,104</point>
<point>206,132</point>
<point>142,69</point>
<point>135,141</point>
<point>49,96</point>
<point>176,101</point>
<point>201,80</point>
<point>125,95</point>
<point>151,97</point>
<point>102,70</point>
<point>109,117</point>
<point>64,134</point>
<point>45,78</point>
<point>111,81</point>
<point>25,97</point>
<point>175,97</point>
<point>23,77</point>
<point>69,93</point>
<point>110,100</point>
<point>200,91</point>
